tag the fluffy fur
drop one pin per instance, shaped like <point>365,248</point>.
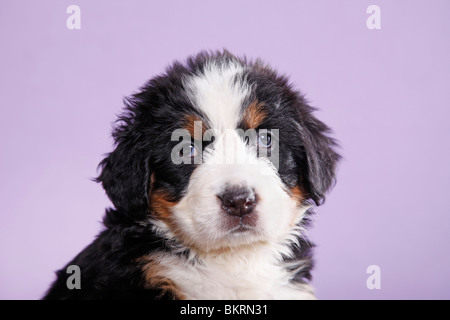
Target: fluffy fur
<point>228,222</point>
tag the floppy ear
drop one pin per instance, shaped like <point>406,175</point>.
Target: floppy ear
<point>321,158</point>
<point>126,171</point>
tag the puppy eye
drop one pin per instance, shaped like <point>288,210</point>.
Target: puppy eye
<point>192,151</point>
<point>265,139</point>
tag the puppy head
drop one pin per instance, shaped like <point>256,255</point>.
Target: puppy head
<point>218,152</point>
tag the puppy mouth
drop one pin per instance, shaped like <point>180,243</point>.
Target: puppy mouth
<point>240,225</point>
<point>242,228</point>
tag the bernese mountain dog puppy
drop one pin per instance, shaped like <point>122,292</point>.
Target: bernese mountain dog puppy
<point>217,166</point>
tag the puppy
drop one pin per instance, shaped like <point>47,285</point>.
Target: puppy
<point>216,168</point>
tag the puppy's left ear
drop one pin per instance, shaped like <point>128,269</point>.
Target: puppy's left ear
<point>321,158</point>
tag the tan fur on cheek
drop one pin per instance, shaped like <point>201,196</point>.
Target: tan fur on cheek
<point>161,205</point>
<point>297,194</point>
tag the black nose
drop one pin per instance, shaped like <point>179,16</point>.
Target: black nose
<point>237,201</point>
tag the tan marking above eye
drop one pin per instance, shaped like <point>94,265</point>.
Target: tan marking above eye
<point>254,115</point>
<point>194,124</point>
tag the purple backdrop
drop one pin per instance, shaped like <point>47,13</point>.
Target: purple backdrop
<point>384,92</point>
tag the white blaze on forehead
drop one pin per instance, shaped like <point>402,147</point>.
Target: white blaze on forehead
<point>219,93</point>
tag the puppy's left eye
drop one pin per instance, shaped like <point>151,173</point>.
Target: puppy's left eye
<point>265,139</point>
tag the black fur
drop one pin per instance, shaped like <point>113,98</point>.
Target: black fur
<point>111,266</point>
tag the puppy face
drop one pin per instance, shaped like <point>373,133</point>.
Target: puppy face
<point>218,153</point>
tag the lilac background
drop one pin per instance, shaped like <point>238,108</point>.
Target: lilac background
<point>384,92</point>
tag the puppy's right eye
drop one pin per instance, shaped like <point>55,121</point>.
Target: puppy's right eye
<point>192,151</point>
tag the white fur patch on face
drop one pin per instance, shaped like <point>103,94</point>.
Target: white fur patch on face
<point>201,222</point>
<point>219,93</point>
<point>200,217</point>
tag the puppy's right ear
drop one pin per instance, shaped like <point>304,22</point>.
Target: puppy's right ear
<point>125,172</point>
